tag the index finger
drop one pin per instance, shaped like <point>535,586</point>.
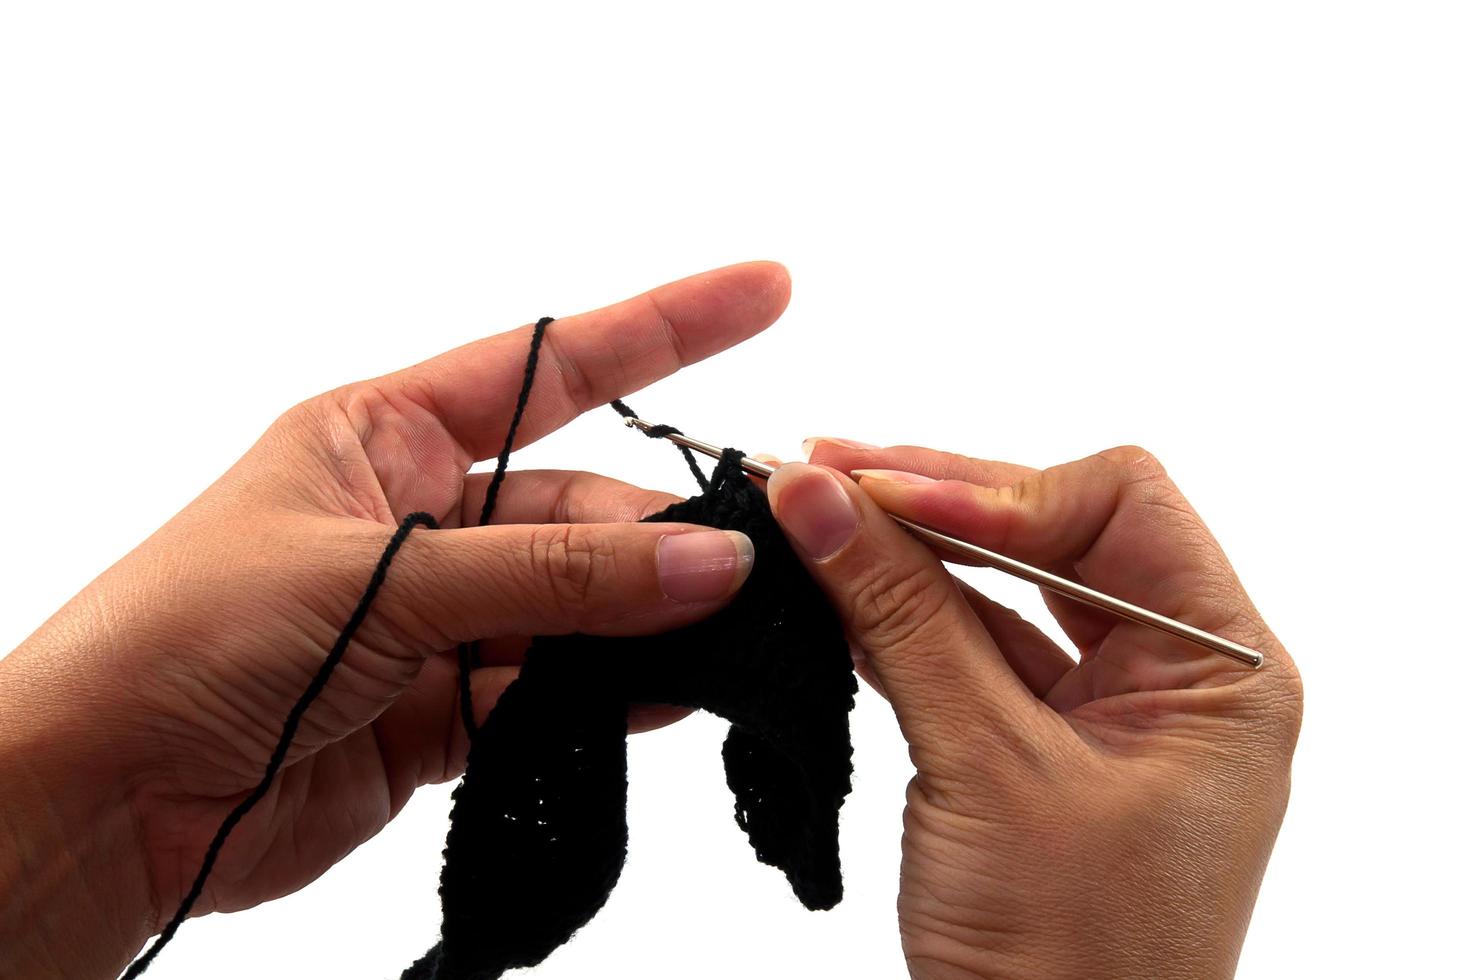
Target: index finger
<point>590,358</point>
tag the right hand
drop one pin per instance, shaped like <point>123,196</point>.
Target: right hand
<point>1107,818</point>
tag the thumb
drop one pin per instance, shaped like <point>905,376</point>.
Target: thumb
<point>939,667</point>
<point>459,585</point>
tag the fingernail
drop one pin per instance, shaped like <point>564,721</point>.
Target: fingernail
<point>809,444</point>
<point>766,458</point>
<point>892,476</point>
<point>814,508</point>
<point>703,565</point>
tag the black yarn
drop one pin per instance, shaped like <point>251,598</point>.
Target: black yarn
<point>468,655</point>
<point>538,831</point>
<point>284,741</point>
<point>535,344</point>
<point>661,432</point>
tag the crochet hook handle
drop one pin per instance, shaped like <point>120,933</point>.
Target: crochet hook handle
<point>1010,566</point>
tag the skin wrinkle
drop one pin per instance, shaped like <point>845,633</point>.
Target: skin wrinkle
<point>331,419</point>
<point>396,796</point>
<point>338,723</point>
<point>169,841</point>
<point>292,796</point>
<point>569,563</point>
<point>267,787</point>
<point>893,610</point>
<point>1104,672</point>
<point>286,797</point>
<point>288,685</point>
<point>576,387</point>
<point>422,384</point>
<point>189,677</point>
<point>616,353</point>
<point>413,612</point>
<point>357,824</point>
<point>412,435</point>
<point>422,394</point>
<point>674,340</point>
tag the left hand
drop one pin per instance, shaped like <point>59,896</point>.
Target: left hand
<point>143,711</point>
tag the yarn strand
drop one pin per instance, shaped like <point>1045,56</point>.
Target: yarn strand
<point>468,655</point>
<point>284,741</point>
<point>661,432</point>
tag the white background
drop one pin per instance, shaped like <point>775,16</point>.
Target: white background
<point>1239,234</point>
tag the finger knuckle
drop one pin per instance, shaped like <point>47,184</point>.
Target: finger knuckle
<point>991,510</point>
<point>313,421</point>
<point>1135,464</point>
<point>568,561</point>
<point>672,335</point>
<point>891,604</point>
<point>956,466</point>
<point>578,386</point>
<point>1141,476</point>
<point>1017,504</point>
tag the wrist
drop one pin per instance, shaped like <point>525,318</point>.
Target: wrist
<point>951,954</point>
<point>1030,930</point>
<point>77,899</point>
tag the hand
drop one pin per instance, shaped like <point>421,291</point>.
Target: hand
<point>1108,818</point>
<point>144,710</point>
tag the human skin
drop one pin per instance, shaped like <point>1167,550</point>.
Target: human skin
<point>1107,818</point>
<point>139,714</point>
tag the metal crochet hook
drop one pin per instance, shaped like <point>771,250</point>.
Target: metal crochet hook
<point>1046,580</point>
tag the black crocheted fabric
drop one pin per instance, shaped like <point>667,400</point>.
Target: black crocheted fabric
<point>538,831</point>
